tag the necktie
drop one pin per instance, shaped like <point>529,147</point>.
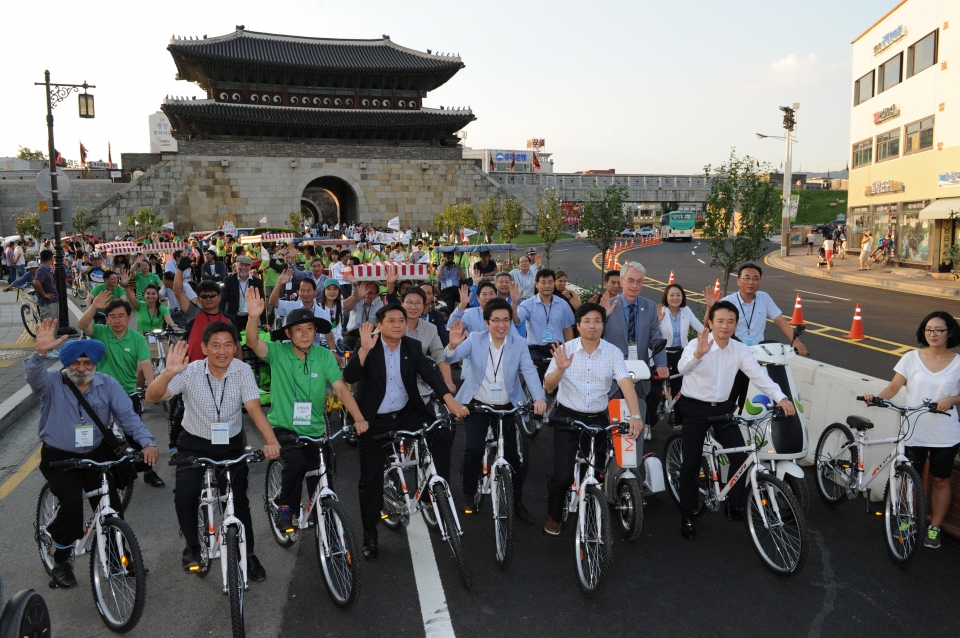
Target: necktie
<point>366,313</point>
<point>632,322</point>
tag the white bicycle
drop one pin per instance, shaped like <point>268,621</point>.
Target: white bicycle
<point>336,544</point>
<point>117,575</point>
<point>228,541</point>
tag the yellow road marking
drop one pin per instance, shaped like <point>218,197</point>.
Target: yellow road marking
<point>28,466</point>
<point>819,329</point>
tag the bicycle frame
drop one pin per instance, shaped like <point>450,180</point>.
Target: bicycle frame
<point>209,497</point>
<point>322,492</point>
<point>711,448</point>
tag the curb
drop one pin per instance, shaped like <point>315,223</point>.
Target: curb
<point>773,260</point>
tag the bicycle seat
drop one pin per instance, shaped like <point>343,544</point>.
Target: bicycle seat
<point>860,423</point>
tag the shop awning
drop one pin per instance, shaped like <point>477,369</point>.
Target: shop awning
<point>941,208</point>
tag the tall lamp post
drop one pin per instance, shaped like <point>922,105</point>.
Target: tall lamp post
<point>57,93</point>
<point>789,123</point>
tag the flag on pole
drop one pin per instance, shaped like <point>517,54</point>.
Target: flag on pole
<point>109,155</point>
<point>469,233</point>
<point>394,223</point>
<point>263,220</point>
<point>83,153</point>
<point>536,161</point>
<point>168,225</point>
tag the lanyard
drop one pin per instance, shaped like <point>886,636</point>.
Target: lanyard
<point>499,361</point>
<point>753,309</point>
<point>307,367</point>
<point>242,286</point>
<point>223,392</point>
<point>547,308</point>
<point>152,317</point>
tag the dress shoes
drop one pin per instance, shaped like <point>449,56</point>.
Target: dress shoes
<point>468,503</point>
<point>63,575</point>
<point>687,529</point>
<point>521,512</point>
<point>370,550</point>
<point>152,478</point>
<point>551,527</point>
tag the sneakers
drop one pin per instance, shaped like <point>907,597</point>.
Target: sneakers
<point>468,504</point>
<point>284,520</point>
<point>191,559</point>
<point>647,434</point>
<point>255,570</point>
<point>933,538</point>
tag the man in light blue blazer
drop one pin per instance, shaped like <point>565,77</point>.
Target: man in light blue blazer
<point>496,358</point>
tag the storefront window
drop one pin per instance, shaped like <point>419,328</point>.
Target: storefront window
<point>884,221</point>
<point>858,223</point>
<point>914,236</point>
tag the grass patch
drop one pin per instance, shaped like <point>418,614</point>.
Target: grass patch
<point>815,206</point>
<point>527,239</point>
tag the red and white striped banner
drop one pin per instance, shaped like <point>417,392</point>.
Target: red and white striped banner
<point>164,247</point>
<point>131,248</point>
<point>378,272</point>
<point>256,239</point>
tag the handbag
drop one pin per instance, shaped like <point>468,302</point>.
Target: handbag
<point>123,475</point>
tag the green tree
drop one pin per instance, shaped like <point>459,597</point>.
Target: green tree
<point>83,222</point>
<point>28,224</point>
<point>740,214</point>
<point>511,216</point>
<point>25,153</point>
<point>604,215</point>
<point>144,221</point>
<point>296,218</point>
<point>454,218</point>
<point>488,218</point>
<point>549,220</point>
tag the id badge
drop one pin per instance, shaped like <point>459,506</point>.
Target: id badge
<point>302,413</point>
<point>750,340</point>
<point>497,393</point>
<point>83,436</point>
<point>632,352</point>
<point>219,433</point>
<point>243,306</point>
<point>547,335</point>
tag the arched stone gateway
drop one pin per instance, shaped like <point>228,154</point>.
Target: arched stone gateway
<point>331,198</point>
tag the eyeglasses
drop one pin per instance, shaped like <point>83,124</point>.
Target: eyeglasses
<point>117,317</point>
<point>745,278</point>
<point>413,304</point>
<point>499,322</point>
<point>934,331</point>
<point>209,295</point>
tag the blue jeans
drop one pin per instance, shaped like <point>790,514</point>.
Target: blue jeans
<point>21,270</point>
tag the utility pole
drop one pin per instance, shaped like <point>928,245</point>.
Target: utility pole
<point>789,123</point>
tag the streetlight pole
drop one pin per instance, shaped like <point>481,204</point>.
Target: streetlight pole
<point>787,178</point>
<point>56,93</point>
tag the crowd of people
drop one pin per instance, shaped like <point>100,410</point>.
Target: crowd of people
<point>382,346</point>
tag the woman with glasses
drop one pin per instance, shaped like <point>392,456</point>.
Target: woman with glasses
<point>932,372</point>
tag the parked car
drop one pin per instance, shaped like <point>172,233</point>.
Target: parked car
<point>628,232</point>
<point>646,231</point>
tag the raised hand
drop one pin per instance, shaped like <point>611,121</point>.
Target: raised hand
<point>391,274</point>
<point>367,339</point>
<point>458,334</point>
<point>464,296</point>
<point>704,343</point>
<point>710,297</point>
<point>102,300</point>
<point>285,277</point>
<point>661,313</point>
<point>47,337</point>
<point>178,357</point>
<point>608,303</point>
<point>538,261</point>
<point>560,356</point>
<point>254,302</point>
<point>124,274</point>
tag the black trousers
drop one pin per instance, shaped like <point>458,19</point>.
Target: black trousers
<point>373,458</point>
<point>738,394</point>
<point>541,356</point>
<point>190,483</point>
<point>176,423</point>
<point>68,487</point>
<point>565,446</point>
<point>297,461</point>
<point>476,426</point>
<point>695,426</point>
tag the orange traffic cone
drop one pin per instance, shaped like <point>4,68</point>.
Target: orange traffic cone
<point>856,329</point>
<point>633,243</point>
<point>797,318</point>
<point>670,282</point>
<point>716,288</point>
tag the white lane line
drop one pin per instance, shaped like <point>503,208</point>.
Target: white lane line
<point>560,250</point>
<point>693,252</point>
<point>433,603</point>
<point>697,246</point>
<point>701,261</point>
<point>807,292</point>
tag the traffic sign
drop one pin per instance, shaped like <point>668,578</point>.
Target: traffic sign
<point>43,183</point>
<point>42,205</point>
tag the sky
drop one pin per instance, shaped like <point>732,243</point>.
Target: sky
<point>640,86</point>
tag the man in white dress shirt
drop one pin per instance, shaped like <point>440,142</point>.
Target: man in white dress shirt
<point>709,367</point>
<point>583,370</point>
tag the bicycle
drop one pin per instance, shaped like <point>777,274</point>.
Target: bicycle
<point>29,309</point>
<point>433,498</point>
<point>78,285</point>
<point>775,521</point>
<point>335,542</point>
<point>496,479</point>
<point>841,249</point>
<point>228,540</point>
<point>533,423</point>
<point>840,473</point>
<point>593,542</point>
<point>881,256</point>
<point>118,577</point>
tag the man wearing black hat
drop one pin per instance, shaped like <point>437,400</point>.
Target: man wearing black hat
<point>300,374</point>
<point>68,432</point>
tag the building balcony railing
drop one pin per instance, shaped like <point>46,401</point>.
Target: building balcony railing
<point>575,180</point>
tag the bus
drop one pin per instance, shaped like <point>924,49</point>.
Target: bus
<point>677,225</point>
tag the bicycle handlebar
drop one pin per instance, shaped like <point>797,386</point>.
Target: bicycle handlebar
<point>393,435</point>
<point>78,463</point>
<point>930,406</point>
<point>486,409</point>
<point>250,457</point>
<point>775,412</point>
<point>623,426</point>
<point>318,440</point>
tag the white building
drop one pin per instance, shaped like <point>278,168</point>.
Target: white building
<point>501,160</point>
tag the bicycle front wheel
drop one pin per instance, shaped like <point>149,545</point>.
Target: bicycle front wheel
<point>905,520</point>
<point>30,319</point>
<point>502,497</point>
<point>81,291</point>
<point>836,460</point>
<point>235,584</point>
<point>783,542</point>
<point>451,531</point>
<point>593,543</point>
<point>338,557</point>
<point>523,449</point>
<point>672,460</point>
<point>395,513</point>
<point>271,490</point>
<point>47,506</point>
<point>125,496</point>
<point>119,588</point>
<point>532,425</point>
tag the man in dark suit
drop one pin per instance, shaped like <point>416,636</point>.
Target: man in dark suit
<point>385,375</point>
<point>233,300</point>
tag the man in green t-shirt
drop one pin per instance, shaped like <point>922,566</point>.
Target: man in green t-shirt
<point>221,246</point>
<point>127,352</point>
<point>111,284</point>
<point>300,372</point>
<point>143,276</point>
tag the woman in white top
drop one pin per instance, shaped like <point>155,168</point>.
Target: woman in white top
<point>676,319</point>
<point>933,372</point>
<point>865,244</point>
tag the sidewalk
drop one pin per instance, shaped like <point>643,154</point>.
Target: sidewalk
<point>910,280</point>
